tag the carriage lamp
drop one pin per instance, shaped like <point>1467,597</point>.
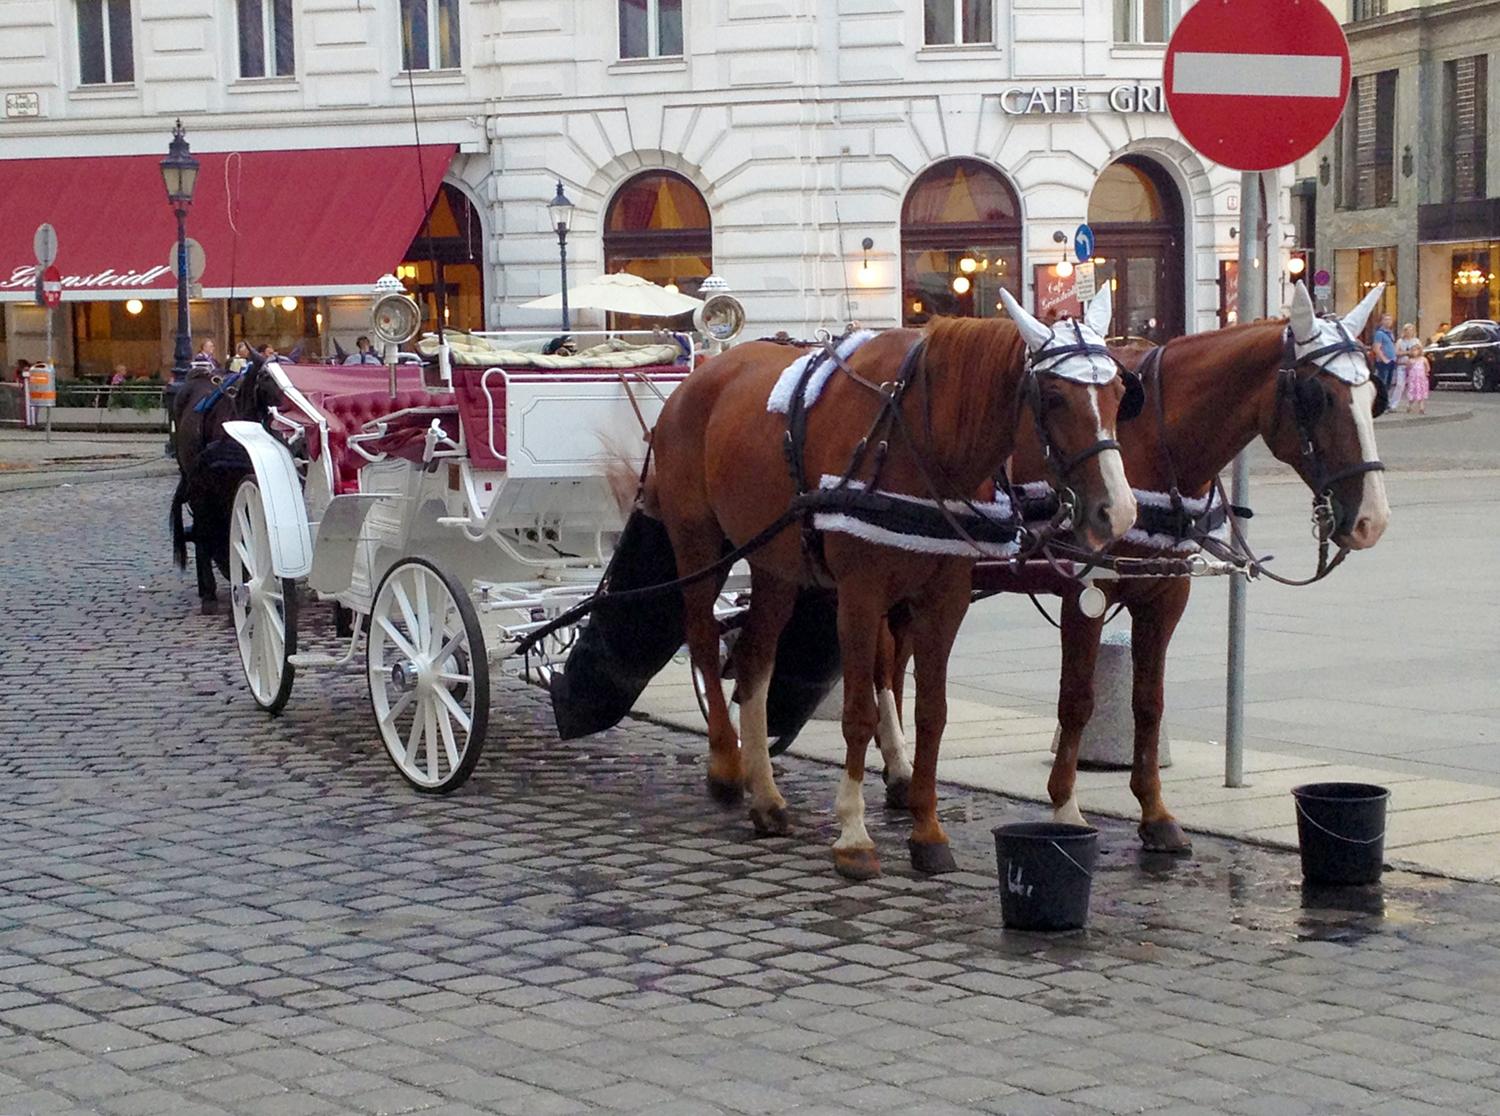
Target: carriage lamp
<point>179,174</point>
<point>560,214</point>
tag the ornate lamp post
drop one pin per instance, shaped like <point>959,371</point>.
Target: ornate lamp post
<point>560,213</point>
<point>179,171</point>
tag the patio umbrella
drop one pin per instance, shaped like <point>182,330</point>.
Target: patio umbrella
<point>621,293</point>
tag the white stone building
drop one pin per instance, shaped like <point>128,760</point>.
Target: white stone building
<point>959,137</point>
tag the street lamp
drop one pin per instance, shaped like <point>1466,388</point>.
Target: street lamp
<point>179,172</point>
<point>560,213</point>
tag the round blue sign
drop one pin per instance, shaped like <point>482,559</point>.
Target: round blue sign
<point>1083,243</point>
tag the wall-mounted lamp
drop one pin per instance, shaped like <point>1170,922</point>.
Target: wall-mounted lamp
<point>866,272</point>
<point>1325,170</point>
<point>1063,268</point>
<point>1407,162</point>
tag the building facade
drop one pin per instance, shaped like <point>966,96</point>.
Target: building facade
<point>1408,186</point>
<point>832,160</point>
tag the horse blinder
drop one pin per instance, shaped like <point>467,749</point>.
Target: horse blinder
<point>1135,396</point>
<point>1309,401</point>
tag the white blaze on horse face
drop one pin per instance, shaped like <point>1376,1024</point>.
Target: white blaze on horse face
<point>1374,510</point>
<point>1122,507</point>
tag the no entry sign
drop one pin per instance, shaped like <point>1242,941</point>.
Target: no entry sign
<point>1256,84</point>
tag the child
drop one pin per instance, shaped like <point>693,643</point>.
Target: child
<point>1417,375</point>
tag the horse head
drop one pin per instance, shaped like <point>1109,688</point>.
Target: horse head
<point>257,392</point>
<point>1322,421</point>
<point>1075,391</point>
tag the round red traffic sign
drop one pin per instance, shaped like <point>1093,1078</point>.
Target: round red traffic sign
<point>1256,84</point>
<point>51,287</point>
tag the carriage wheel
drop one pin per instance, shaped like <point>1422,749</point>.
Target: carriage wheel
<point>429,677</point>
<point>264,605</point>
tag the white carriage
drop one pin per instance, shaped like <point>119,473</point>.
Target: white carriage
<point>452,510</point>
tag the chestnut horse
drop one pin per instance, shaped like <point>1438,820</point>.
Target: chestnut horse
<point>930,415</point>
<point>1305,387</point>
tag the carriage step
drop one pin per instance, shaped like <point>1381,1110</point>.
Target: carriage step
<point>313,659</point>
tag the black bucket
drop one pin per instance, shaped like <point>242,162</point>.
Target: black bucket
<point>1045,871</point>
<point>1341,832</point>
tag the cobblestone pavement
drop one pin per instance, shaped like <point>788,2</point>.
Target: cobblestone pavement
<point>206,910</point>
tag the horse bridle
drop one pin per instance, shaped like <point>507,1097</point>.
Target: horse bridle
<point>1043,362</point>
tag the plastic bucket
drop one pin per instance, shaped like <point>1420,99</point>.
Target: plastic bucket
<point>1341,831</point>
<point>1045,871</point>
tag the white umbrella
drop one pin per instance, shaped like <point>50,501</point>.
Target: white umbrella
<point>621,293</point>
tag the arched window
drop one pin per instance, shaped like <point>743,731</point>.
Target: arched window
<point>1136,213</point>
<point>455,258</point>
<point>658,227</point>
<point>960,242</point>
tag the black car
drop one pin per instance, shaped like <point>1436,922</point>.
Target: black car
<point>1469,353</point>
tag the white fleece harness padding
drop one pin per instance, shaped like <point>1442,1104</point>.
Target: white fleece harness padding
<point>1194,506</point>
<point>780,401</point>
<point>998,509</point>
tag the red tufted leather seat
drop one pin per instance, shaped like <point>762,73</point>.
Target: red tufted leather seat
<point>348,414</point>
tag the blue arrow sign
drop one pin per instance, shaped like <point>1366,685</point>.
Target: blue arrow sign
<point>1083,243</point>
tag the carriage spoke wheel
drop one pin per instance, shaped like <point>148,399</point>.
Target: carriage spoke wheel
<point>429,677</point>
<point>264,605</point>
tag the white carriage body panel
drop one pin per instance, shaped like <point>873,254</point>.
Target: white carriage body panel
<point>564,428</point>
<point>281,495</point>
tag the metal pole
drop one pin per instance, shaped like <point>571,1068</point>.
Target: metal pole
<point>562,252</point>
<point>182,355</point>
<point>1249,307</point>
<point>51,367</point>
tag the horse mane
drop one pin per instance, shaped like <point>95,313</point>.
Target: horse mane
<point>966,360</point>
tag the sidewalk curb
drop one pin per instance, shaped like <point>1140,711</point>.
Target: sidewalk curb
<point>26,480</point>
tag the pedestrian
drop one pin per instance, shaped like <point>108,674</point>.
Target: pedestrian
<point>121,375</point>
<point>1404,345</point>
<point>1437,336</point>
<point>1418,380</point>
<point>207,354</point>
<point>242,355</point>
<point>20,370</point>
<point>365,355</point>
<point>1385,352</point>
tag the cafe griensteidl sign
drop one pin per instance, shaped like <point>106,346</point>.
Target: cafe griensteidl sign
<point>1054,100</point>
<point>23,278</point>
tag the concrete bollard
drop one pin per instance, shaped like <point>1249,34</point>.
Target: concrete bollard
<point>1109,739</point>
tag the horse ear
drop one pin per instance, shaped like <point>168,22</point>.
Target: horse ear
<point>1356,319</point>
<point>1100,311</point>
<point>1304,313</point>
<point>1033,332</point>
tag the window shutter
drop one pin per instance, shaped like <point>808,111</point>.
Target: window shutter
<point>1467,121</point>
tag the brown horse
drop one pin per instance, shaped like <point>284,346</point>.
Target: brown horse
<point>722,475</point>
<point>1313,402</point>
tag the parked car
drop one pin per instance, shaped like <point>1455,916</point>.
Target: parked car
<point>1469,353</point>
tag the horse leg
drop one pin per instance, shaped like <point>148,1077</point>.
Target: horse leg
<point>772,601</point>
<point>179,532</point>
<point>1152,625</point>
<point>860,617</point>
<point>1075,707</point>
<point>933,630</point>
<point>895,650</point>
<point>697,546</point>
<point>203,561</point>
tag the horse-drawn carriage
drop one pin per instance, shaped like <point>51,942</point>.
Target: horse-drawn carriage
<point>449,510</point>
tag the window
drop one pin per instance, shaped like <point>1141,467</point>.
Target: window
<point>106,51</point>
<point>1466,104</point>
<point>1367,143</point>
<point>951,22</point>
<point>650,28</point>
<point>1366,9</point>
<point>429,35</point>
<point>266,38</point>
<point>1140,21</point>
<point>960,242</point>
<point>658,227</point>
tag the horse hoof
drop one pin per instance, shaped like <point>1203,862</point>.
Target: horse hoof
<point>209,606</point>
<point>724,792</point>
<point>1165,836</point>
<point>932,859</point>
<point>895,794</point>
<point>856,864</point>
<point>775,822</point>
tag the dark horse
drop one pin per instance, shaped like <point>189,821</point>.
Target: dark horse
<point>211,464</point>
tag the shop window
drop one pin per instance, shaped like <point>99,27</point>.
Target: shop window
<point>1465,82</point>
<point>1136,213</point>
<point>429,35</point>
<point>106,48</point>
<point>291,324</point>
<point>113,335</point>
<point>1367,267</point>
<point>960,243</point>
<point>1474,281</point>
<point>952,22</point>
<point>658,227</point>
<point>1367,143</point>
<point>450,263</point>
<point>650,28</point>
<point>266,42</point>
<point>1141,21</point>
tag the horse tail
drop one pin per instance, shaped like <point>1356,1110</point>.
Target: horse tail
<point>626,483</point>
<point>179,533</point>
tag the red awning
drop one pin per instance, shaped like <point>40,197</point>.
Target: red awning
<point>270,222</point>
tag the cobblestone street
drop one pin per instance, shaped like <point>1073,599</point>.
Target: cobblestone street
<point>203,909</point>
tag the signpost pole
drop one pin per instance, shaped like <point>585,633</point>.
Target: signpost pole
<point>51,365</point>
<point>1252,289</point>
